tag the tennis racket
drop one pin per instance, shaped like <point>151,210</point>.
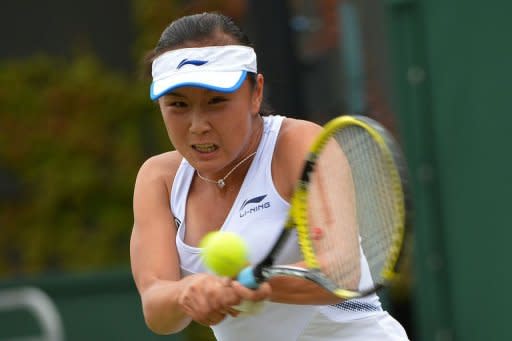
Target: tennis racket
<point>349,210</point>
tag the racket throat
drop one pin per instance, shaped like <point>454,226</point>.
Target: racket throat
<point>269,259</point>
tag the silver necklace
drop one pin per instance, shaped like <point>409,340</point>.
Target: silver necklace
<point>222,182</point>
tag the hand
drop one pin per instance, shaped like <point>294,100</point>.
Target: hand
<point>263,292</point>
<point>207,299</point>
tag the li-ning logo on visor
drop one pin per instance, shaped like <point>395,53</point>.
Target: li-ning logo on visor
<point>245,209</point>
<point>195,62</point>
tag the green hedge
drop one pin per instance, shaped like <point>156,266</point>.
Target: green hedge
<point>74,135</point>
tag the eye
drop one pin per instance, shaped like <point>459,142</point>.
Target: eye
<point>174,103</point>
<point>177,104</point>
<point>217,100</point>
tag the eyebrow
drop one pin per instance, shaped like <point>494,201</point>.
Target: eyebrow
<point>177,94</point>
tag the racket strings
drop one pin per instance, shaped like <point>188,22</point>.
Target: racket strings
<point>375,198</point>
<point>352,201</point>
<point>325,227</point>
<point>337,246</point>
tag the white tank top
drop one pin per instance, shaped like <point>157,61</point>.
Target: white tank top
<point>258,215</point>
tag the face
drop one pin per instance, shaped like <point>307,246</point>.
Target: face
<point>213,130</point>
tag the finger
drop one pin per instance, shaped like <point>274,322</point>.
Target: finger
<point>216,293</point>
<point>210,318</point>
<point>223,295</point>
<point>233,312</point>
<point>200,303</point>
<point>216,318</point>
<point>226,281</point>
<point>189,304</point>
<point>243,292</point>
<point>196,304</point>
<point>230,297</point>
<point>263,292</point>
<point>241,289</point>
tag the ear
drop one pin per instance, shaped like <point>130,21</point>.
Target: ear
<point>257,94</point>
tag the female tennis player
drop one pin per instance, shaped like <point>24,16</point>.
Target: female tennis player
<point>234,168</point>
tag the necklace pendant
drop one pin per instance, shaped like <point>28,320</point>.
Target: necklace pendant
<point>221,183</point>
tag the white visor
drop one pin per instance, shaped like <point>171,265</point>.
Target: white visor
<point>218,68</point>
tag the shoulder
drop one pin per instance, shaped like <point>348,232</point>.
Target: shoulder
<point>295,138</point>
<point>160,168</point>
<point>297,133</point>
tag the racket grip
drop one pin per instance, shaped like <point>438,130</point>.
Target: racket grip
<point>249,307</point>
<point>247,279</point>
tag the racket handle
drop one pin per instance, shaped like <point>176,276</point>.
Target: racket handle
<point>247,279</point>
<point>249,307</point>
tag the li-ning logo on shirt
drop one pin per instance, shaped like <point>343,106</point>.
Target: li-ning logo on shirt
<point>195,62</point>
<point>253,205</point>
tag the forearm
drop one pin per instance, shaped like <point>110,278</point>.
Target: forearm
<point>162,312</point>
<point>293,290</point>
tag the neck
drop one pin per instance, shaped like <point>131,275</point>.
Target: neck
<point>239,166</point>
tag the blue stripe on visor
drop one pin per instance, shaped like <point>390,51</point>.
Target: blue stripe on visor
<point>154,96</point>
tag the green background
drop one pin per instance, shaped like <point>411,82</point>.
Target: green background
<point>453,98</point>
<point>69,208</point>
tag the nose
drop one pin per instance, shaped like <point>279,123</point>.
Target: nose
<point>199,123</point>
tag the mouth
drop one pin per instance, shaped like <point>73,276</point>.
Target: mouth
<point>205,147</point>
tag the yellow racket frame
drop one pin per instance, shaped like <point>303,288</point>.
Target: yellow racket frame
<point>299,206</point>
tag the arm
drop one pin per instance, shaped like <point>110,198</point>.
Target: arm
<point>292,290</point>
<point>170,302</point>
<point>154,259</point>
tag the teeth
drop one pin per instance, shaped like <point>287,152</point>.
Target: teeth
<point>205,147</point>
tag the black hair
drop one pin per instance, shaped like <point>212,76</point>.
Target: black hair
<point>208,28</point>
<point>202,27</point>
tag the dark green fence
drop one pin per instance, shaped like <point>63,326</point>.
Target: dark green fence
<point>453,74</point>
<point>101,306</point>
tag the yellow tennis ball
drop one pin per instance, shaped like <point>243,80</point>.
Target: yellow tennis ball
<point>224,253</point>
